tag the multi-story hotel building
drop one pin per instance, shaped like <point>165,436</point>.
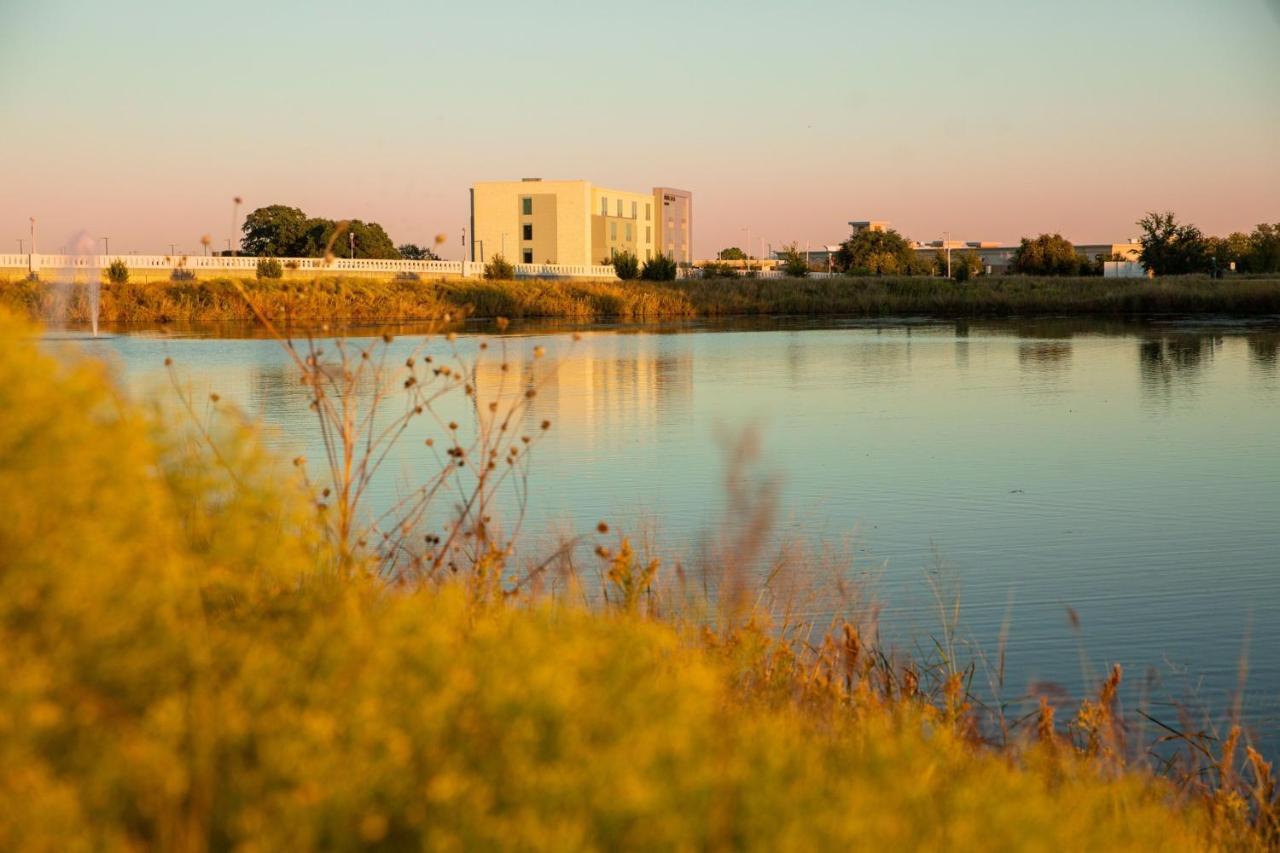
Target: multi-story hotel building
<point>574,223</point>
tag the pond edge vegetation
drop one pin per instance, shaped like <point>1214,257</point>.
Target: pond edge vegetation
<point>325,299</point>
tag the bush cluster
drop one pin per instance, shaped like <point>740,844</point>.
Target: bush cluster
<point>498,269</point>
<point>270,268</point>
<point>660,268</point>
<point>118,272</point>
<point>626,265</point>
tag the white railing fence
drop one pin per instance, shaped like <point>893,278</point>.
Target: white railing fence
<point>54,265</point>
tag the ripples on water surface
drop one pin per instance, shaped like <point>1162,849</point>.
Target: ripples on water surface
<point>1131,473</point>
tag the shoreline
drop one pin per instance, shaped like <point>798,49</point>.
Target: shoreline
<point>363,301</point>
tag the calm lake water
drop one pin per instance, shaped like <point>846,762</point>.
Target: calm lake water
<point>1128,472</point>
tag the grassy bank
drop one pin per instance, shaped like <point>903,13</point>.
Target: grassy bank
<point>369,300</point>
<point>191,661</point>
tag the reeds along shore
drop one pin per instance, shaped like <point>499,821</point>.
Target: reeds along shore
<point>370,300</point>
<point>200,651</point>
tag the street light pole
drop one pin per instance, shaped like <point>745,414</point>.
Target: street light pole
<point>748,259</point>
<point>172,251</point>
<point>106,245</point>
<point>21,251</point>
<point>946,244</point>
<point>235,220</point>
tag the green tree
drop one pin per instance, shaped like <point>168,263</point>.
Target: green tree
<point>875,253</point>
<point>286,232</point>
<point>733,253</point>
<point>274,231</point>
<point>355,238</point>
<point>1048,254</point>
<point>1171,248</point>
<point>1264,249</point>
<point>795,263</point>
<point>414,252</point>
<point>965,265</point>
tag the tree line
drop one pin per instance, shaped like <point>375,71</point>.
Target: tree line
<point>1168,247</point>
<point>280,231</point>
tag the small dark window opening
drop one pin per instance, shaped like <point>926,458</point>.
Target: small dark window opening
<point>528,256</point>
<point>526,206</point>
<point>528,232</point>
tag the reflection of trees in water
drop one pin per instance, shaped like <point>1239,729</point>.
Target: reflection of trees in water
<point>1264,349</point>
<point>1049,355</point>
<point>1173,361</point>
<point>962,344</point>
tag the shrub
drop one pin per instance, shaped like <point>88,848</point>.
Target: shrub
<point>795,263</point>
<point>715,269</point>
<point>118,272</point>
<point>270,268</point>
<point>659,268</point>
<point>626,265</point>
<point>182,274</point>
<point>499,270</point>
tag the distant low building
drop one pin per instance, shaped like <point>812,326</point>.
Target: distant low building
<point>821,258</point>
<point>861,225</point>
<point>575,223</point>
<point>998,258</point>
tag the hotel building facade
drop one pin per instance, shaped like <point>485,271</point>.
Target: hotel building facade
<point>575,223</point>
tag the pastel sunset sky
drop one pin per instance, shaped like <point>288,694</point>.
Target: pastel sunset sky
<point>990,119</point>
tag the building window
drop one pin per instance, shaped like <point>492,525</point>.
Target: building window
<point>635,209</point>
<point>528,232</point>
<point>648,213</point>
<point>628,232</point>
<point>604,206</point>
<point>648,233</point>
<point>613,231</point>
<point>526,206</point>
<point>528,256</point>
<point>619,207</point>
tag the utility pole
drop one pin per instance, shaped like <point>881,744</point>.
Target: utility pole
<point>33,235</point>
<point>228,245</point>
<point>235,219</point>
<point>21,251</point>
<point>172,252</point>
<point>748,260</point>
<point>106,245</point>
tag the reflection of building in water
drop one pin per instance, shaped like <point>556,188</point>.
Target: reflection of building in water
<point>598,383</point>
